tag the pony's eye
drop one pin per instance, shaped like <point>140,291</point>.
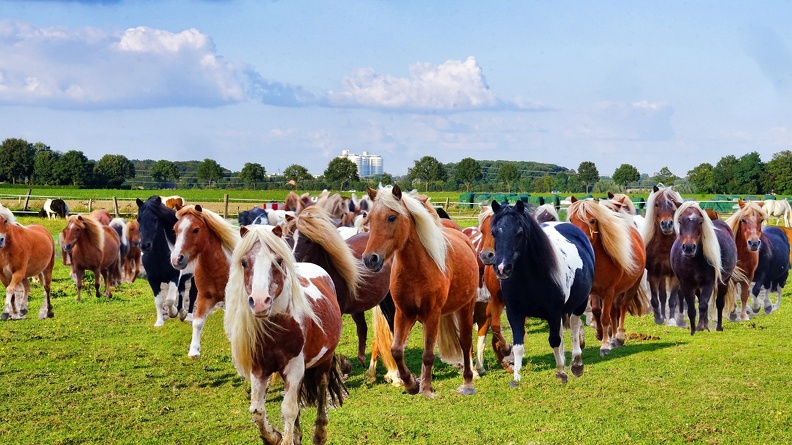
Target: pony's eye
<point>592,221</point>
<point>279,262</point>
<point>244,263</point>
<point>196,230</point>
<point>391,218</point>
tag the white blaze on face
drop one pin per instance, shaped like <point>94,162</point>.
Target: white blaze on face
<point>569,260</point>
<point>181,229</point>
<point>263,268</point>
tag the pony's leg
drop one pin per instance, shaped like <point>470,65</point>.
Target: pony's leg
<point>621,334</point>
<point>689,296</point>
<point>258,395</point>
<point>320,425</point>
<point>159,302</point>
<point>502,348</point>
<point>79,274</point>
<point>577,351</point>
<point>464,319</point>
<point>768,305</point>
<point>595,301</point>
<point>556,340</point>
<point>720,302</point>
<point>703,302</point>
<point>605,323</point>
<point>362,332</point>
<point>654,286</point>
<point>204,307</point>
<point>23,293</point>
<point>517,323</point>
<point>774,307</point>
<point>756,304</point>
<point>10,309</point>
<point>401,330</point>
<point>430,331</point>
<point>481,318</point>
<point>98,282</point>
<point>46,305</point>
<point>290,407</point>
<point>744,294</point>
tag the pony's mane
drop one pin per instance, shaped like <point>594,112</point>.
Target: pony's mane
<point>427,225</point>
<point>229,237</point>
<point>486,212</point>
<point>614,231</point>
<point>649,228</point>
<point>333,204</point>
<point>625,201</point>
<point>549,208</point>
<point>241,326</point>
<point>709,240</point>
<point>315,224</point>
<point>7,214</point>
<point>749,208</point>
<point>93,229</point>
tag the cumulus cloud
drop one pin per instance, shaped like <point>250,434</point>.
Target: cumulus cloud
<point>454,85</point>
<point>642,120</point>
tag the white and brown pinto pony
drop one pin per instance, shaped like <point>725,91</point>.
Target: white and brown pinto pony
<point>282,317</point>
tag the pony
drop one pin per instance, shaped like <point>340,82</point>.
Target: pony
<point>168,284</point>
<point>290,203</point>
<point>92,246</point>
<point>53,208</point>
<point>621,203</point>
<point>618,270</point>
<point>546,271</point>
<point>120,226</point>
<point>247,217</point>
<point>333,204</point>
<point>659,235</point>
<point>283,317</point>
<point>102,216</point>
<point>434,272</point>
<point>132,260</point>
<point>172,202</point>
<point>773,269</point>
<point>24,252</point>
<point>207,239</point>
<point>314,239</point>
<point>779,209</point>
<point>703,257</point>
<point>546,213</point>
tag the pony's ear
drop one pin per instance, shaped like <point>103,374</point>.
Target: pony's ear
<point>572,199</point>
<point>495,206</point>
<point>138,201</point>
<point>397,192</point>
<point>278,231</point>
<point>741,203</point>
<point>654,187</point>
<point>243,230</point>
<point>372,194</point>
<point>610,195</point>
<point>761,203</point>
<point>158,199</point>
<point>198,208</point>
<point>79,217</point>
<point>519,207</point>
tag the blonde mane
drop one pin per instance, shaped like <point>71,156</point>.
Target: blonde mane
<point>7,214</point>
<point>229,237</point>
<point>550,209</point>
<point>625,203</point>
<point>427,225</point>
<point>315,224</point>
<point>649,228</point>
<point>614,231</point>
<point>94,230</point>
<point>241,326</point>
<point>748,208</point>
<point>486,212</point>
<point>709,240</point>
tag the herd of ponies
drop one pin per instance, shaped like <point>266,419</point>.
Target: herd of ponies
<point>284,278</point>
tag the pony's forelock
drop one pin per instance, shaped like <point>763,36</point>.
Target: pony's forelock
<point>749,207</point>
<point>229,237</point>
<point>649,228</point>
<point>7,214</point>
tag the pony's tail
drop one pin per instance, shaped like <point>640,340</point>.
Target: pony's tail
<point>638,299</point>
<point>738,276</point>
<point>336,389</point>
<point>383,338</point>
<point>448,341</point>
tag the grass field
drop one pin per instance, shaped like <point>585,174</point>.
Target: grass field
<point>101,373</point>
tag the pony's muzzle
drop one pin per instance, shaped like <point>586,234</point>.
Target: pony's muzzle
<point>145,247</point>
<point>487,257</point>
<point>180,262</point>
<point>261,307</point>
<point>667,226</point>
<point>689,249</point>
<point>502,271</point>
<point>374,262</point>
<point>753,245</point>
<point>67,247</point>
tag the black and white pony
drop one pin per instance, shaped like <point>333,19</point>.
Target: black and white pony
<point>547,272</point>
<point>156,241</point>
<point>248,217</point>
<point>54,208</point>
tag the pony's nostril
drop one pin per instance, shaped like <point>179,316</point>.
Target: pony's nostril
<point>251,303</point>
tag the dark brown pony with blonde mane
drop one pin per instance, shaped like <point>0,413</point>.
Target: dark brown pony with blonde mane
<point>92,246</point>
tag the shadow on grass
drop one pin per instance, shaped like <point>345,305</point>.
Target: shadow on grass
<point>591,354</point>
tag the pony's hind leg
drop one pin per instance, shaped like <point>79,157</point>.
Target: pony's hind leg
<point>431,329</point>
<point>320,425</point>
<point>401,329</point>
<point>577,350</point>
<point>557,343</point>
<point>258,395</point>
<point>362,332</point>
<point>464,318</point>
<point>160,300</point>
<point>46,305</point>
<point>293,375</point>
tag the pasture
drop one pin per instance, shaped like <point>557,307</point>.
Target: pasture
<point>100,372</point>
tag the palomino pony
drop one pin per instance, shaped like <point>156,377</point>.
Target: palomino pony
<point>434,272</point>
<point>622,203</point>
<point>618,270</point>
<point>703,258</point>
<point>92,246</point>
<point>24,252</point>
<point>779,209</point>
<point>314,239</point>
<point>545,271</point>
<point>659,235</point>
<point>282,317</point>
<point>156,238</point>
<point>207,239</point>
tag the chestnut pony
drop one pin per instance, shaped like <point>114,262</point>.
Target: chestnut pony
<point>283,317</point>
<point>620,259</point>
<point>434,273</point>
<point>207,239</point>
<point>92,246</point>
<point>132,263</point>
<point>24,252</point>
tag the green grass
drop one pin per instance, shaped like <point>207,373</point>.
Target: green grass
<point>101,373</point>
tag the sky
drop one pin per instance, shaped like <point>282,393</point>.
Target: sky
<point>652,84</point>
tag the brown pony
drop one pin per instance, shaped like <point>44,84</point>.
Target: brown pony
<point>659,235</point>
<point>619,265</point>
<point>434,272</point>
<point>92,246</point>
<point>101,215</point>
<point>283,317</point>
<point>24,252</point>
<point>746,224</point>
<point>174,202</point>
<point>132,263</point>
<point>206,238</point>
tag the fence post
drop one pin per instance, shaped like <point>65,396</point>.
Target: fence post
<point>115,206</point>
<point>225,202</point>
<point>90,205</point>
<point>27,199</point>
<point>447,203</point>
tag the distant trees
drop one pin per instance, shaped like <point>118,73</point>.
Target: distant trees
<point>296,173</point>
<point>509,173</point>
<point>16,160</point>
<point>44,167</point>
<point>426,170</point>
<point>468,171</point>
<point>588,174</point>
<point>778,174</point>
<point>252,173</point>
<point>703,178</point>
<point>113,170</point>
<point>74,168</point>
<point>665,176</point>
<point>626,174</point>
<point>210,171</point>
<point>164,170</point>
<point>341,170</point>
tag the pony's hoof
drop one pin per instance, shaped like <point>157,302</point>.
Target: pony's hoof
<point>562,376</point>
<point>4,316</point>
<point>616,343</point>
<point>466,390</point>
<point>23,312</point>
<point>659,320</point>
<point>429,394</point>
<point>768,310</point>
<point>182,315</point>
<point>577,370</point>
<point>734,317</point>
<point>159,323</point>
<point>703,327</point>
<point>604,352</point>
<point>514,383</point>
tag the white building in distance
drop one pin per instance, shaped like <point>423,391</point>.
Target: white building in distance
<point>367,165</point>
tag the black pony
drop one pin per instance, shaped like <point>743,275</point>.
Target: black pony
<point>773,268</point>
<point>547,272</point>
<point>168,284</point>
<point>248,217</point>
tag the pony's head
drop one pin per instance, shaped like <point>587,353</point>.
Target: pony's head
<point>746,223</point>
<point>620,203</point>
<point>7,219</point>
<point>133,229</point>
<point>487,246</point>
<point>80,228</point>
<point>606,228</point>
<point>546,213</point>
<point>194,229</point>
<point>517,235</point>
<point>392,218</point>
<point>154,219</point>
<point>695,231</point>
<point>660,208</point>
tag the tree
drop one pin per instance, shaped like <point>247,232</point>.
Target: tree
<point>725,181</point>
<point>296,173</point>
<point>544,184</point>
<point>626,174</point>
<point>665,176</point>
<point>16,160</point>
<point>252,173</point>
<point>748,172</point>
<point>778,173</point>
<point>588,174</point>
<point>209,170</point>
<point>163,170</point>
<point>44,167</point>
<point>74,168</point>
<point>703,178</point>
<point>467,171</point>
<point>509,173</point>
<point>425,170</point>
<point>561,183</point>
<point>114,170</point>
<point>342,170</point>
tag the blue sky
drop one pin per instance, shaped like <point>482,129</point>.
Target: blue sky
<point>651,84</point>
